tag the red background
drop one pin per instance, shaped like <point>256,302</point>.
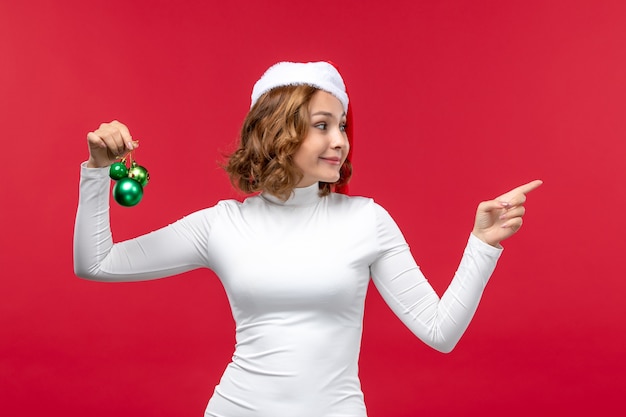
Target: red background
<point>454,102</point>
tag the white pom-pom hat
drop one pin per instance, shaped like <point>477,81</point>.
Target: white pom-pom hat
<point>322,75</point>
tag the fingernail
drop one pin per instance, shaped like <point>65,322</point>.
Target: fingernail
<point>505,204</point>
<point>129,145</point>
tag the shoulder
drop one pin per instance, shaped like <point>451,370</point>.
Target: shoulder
<point>351,200</point>
<point>356,202</point>
<point>364,208</point>
<point>371,218</point>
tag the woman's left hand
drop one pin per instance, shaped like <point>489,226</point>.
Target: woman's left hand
<point>500,218</point>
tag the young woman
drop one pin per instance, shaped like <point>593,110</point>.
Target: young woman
<point>296,259</point>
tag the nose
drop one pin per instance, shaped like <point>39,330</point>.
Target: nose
<point>339,139</point>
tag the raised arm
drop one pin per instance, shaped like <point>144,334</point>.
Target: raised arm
<point>440,322</point>
<point>176,248</point>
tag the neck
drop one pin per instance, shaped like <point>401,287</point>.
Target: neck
<point>301,196</point>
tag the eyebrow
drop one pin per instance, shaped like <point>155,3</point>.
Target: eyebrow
<point>328,114</point>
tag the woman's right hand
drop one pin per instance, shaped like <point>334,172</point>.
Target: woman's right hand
<point>110,142</point>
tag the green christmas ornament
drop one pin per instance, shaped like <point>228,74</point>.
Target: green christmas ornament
<point>127,192</point>
<point>118,170</point>
<point>139,174</point>
<point>129,181</point>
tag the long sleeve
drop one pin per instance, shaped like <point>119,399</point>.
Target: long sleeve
<point>171,250</point>
<point>439,322</point>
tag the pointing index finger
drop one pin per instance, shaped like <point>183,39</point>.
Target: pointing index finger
<point>518,195</point>
<point>526,188</point>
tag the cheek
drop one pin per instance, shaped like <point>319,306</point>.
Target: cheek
<point>300,158</point>
<point>306,153</point>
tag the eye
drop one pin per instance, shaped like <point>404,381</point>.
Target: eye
<point>320,126</point>
<point>343,127</point>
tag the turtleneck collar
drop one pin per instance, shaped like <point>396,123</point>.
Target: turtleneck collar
<point>305,196</point>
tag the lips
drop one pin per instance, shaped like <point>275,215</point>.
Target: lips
<point>331,160</point>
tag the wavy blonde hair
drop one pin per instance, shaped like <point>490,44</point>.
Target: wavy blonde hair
<point>271,134</point>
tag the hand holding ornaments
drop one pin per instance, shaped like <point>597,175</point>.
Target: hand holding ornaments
<point>107,144</point>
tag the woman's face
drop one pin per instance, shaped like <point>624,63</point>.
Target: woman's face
<point>325,147</point>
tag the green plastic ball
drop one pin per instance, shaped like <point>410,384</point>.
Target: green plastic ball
<point>139,174</point>
<point>118,170</point>
<point>127,192</point>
